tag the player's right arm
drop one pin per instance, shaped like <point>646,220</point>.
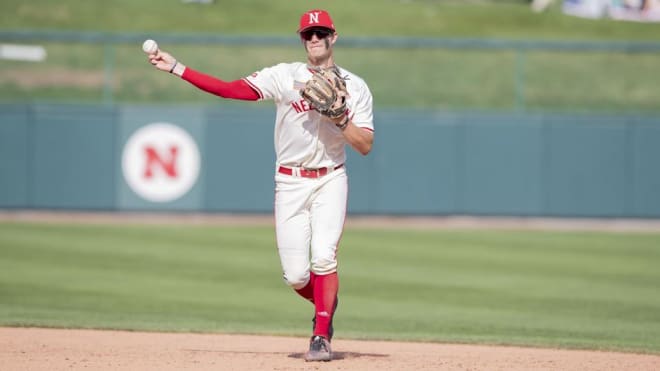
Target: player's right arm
<point>238,89</point>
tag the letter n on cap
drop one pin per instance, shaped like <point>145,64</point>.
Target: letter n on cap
<point>313,17</point>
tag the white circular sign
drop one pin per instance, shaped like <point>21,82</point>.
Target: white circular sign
<point>160,162</point>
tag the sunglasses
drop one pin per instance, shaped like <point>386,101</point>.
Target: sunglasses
<point>320,33</point>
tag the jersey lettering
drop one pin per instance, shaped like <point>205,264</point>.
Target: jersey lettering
<point>301,106</point>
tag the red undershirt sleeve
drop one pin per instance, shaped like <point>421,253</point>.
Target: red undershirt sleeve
<point>238,89</point>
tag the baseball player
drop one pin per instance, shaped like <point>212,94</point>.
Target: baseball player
<point>321,107</point>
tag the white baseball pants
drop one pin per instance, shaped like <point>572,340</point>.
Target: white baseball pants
<point>309,221</point>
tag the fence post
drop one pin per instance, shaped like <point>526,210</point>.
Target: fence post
<point>519,80</point>
<point>108,72</point>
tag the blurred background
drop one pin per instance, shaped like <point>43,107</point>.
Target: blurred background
<point>498,108</point>
<point>502,107</point>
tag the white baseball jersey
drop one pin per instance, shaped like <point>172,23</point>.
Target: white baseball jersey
<point>304,137</point>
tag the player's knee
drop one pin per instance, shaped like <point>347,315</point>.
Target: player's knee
<point>324,266</point>
<point>296,279</point>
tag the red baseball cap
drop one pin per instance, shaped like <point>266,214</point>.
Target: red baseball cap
<point>315,18</point>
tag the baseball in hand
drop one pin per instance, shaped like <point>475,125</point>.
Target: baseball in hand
<point>150,47</point>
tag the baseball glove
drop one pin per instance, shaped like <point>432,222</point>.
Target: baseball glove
<point>326,92</point>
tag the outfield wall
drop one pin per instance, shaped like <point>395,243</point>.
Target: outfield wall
<point>423,162</point>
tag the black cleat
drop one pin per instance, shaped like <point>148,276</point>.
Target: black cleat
<point>319,350</point>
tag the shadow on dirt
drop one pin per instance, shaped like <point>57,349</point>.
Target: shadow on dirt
<point>345,355</point>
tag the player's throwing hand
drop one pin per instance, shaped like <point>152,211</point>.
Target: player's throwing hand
<point>165,62</point>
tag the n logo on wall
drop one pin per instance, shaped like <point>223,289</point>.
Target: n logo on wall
<point>160,162</point>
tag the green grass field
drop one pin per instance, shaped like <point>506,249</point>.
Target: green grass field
<point>445,18</point>
<point>469,79</point>
<point>399,78</point>
<point>574,290</point>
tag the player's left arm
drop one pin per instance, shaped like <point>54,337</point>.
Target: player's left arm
<point>359,131</point>
<point>360,138</point>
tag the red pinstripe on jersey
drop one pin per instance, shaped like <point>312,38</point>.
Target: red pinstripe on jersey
<point>255,88</point>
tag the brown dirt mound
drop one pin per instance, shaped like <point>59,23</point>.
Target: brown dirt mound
<point>57,349</point>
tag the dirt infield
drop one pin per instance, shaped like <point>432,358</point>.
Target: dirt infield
<point>53,349</point>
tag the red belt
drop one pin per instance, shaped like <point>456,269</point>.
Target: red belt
<point>307,173</point>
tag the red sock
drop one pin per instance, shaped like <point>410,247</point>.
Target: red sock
<point>325,294</point>
<point>307,292</point>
